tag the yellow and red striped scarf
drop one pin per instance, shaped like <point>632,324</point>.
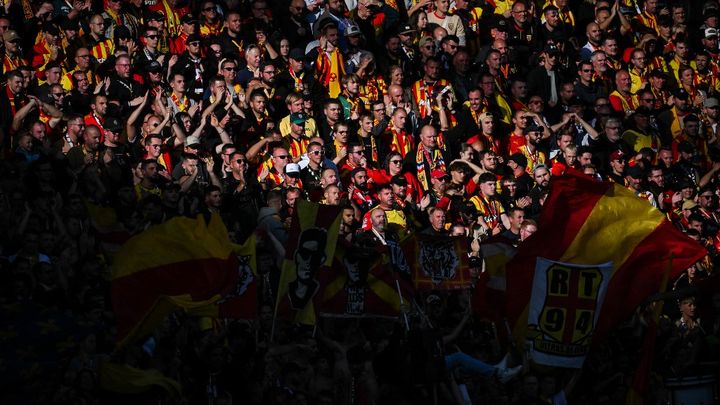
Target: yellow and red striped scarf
<point>330,70</point>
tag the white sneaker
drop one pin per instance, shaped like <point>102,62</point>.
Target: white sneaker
<point>507,374</point>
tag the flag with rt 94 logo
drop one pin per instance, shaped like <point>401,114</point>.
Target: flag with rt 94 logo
<point>564,308</point>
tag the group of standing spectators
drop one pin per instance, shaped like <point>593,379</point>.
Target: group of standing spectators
<point>431,116</point>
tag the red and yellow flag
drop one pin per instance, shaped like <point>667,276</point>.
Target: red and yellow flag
<point>309,253</point>
<point>588,222</point>
<point>183,263</point>
<point>362,283</point>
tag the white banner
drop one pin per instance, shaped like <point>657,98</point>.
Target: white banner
<point>564,309</point>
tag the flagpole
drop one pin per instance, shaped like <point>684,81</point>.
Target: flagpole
<point>402,303</point>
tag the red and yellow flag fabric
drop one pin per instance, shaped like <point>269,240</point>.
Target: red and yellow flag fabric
<point>588,222</point>
<point>437,263</point>
<point>489,293</point>
<point>308,254</point>
<point>362,283</point>
<point>184,263</point>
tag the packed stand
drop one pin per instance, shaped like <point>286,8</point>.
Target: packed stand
<point>451,117</point>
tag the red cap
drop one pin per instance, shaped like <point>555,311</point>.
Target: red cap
<point>438,174</point>
<point>617,155</point>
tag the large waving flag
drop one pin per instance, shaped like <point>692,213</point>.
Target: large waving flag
<point>183,263</point>
<point>309,253</point>
<point>437,263</point>
<point>588,223</point>
<point>489,293</point>
<point>362,282</point>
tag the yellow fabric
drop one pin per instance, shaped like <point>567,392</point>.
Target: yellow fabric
<point>307,216</point>
<point>396,217</point>
<point>638,140</point>
<point>124,379</point>
<point>618,212</point>
<point>506,111</point>
<point>178,240</point>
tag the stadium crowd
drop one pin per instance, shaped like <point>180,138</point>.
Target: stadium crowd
<point>433,116</point>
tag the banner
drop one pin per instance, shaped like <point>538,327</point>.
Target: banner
<point>489,292</point>
<point>584,221</point>
<point>309,254</point>
<point>362,283</point>
<point>183,263</point>
<point>564,308</point>
<point>437,263</point>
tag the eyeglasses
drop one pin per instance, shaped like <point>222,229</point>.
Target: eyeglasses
<point>208,9</point>
<point>241,161</point>
<point>230,69</point>
<point>587,70</point>
<point>358,152</point>
<point>379,110</point>
<point>317,152</point>
<point>122,64</point>
<point>429,47</point>
<point>156,146</point>
<point>151,36</point>
<point>396,162</point>
<point>613,128</point>
<point>281,157</point>
<point>58,94</point>
<point>194,43</point>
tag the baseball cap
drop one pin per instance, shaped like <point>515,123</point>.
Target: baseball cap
<point>112,124</point>
<point>154,67</point>
<point>352,30</point>
<point>689,204</point>
<point>658,73</point>
<point>406,29</point>
<point>292,169</point>
<point>681,94</point>
<point>519,158</point>
<point>399,180</point>
<point>188,19</point>
<point>438,174</point>
<point>711,102</point>
<point>617,155</point>
<point>532,127</point>
<point>636,172</point>
<point>297,54</point>
<point>711,32</point>
<point>426,40</point>
<point>10,35</point>
<point>193,38</point>
<point>298,118</point>
<point>499,24</point>
<point>192,141</point>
